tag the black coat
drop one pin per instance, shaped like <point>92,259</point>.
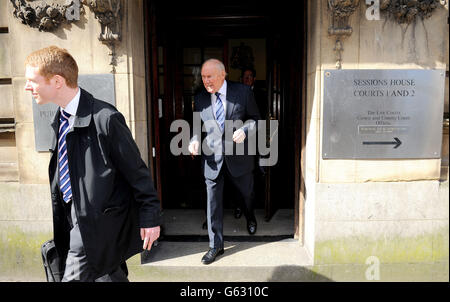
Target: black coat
<point>112,188</point>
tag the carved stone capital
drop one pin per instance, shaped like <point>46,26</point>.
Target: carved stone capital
<point>49,15</point>
<point>109,15</point>
<point>340,12</point>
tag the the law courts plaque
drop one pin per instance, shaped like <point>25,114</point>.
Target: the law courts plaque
<point>101,86</point>
<point>371,114</point>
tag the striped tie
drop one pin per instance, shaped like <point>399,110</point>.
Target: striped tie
<point>220,116</point>
<point>64,178</point>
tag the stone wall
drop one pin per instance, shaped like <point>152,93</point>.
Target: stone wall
<point>25,208</point>
<point>396,210</point>
<point>354,209</point>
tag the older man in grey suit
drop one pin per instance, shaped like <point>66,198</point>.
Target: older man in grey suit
<point>221,107</point>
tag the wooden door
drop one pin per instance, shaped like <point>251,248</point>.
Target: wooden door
<point>180,42</point>
<point>178,54</point>
<point>285,71</point>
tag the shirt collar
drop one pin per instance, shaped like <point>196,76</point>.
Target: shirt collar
<point>72,107</point>
<point>223,89</point>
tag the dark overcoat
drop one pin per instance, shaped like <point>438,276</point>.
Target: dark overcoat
<point>112,188</point>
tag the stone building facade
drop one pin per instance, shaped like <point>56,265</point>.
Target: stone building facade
<point>349,210</point>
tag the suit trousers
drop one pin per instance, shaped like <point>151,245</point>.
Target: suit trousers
<point>77,267</point>
<point>214,211</point>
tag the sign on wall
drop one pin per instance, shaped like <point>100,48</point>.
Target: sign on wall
<point>380,114</point>
<point>101,86</point>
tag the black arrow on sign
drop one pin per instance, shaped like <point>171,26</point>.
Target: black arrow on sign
<point>397,143</point>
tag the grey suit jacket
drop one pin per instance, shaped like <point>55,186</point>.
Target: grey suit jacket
<point>217,147</point>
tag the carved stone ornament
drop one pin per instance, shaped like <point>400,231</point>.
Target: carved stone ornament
<point>109,15</point>
<point>340,10</point>
<point>44,15</point>
<point>49,15</point>
<point>406,11</point>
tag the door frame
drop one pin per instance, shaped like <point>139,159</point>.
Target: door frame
<point>300,153</point>
<point>151,80</point>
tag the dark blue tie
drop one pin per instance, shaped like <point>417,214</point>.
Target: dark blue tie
<point>64,178</point>
<point>220,113</point>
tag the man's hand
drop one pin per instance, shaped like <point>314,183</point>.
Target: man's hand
<point>193,147</point>
<point>149,235</point>
<point>238,136</point>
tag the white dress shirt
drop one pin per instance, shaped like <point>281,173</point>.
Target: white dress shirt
<point>72,108</point>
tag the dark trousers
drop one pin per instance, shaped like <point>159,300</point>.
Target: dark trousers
<point>77,268</point>
<point>214,209</point>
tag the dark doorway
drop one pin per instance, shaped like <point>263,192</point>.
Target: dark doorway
<point>180,37</point>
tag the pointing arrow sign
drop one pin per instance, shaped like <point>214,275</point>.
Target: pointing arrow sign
<point>397,143</point>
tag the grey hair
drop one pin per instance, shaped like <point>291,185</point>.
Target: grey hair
<point>218,63</point>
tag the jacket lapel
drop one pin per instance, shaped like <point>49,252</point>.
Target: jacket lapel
<point>231,100</point>
<point>82,118</point>
<point>84,111</point>
<point>54,125</point>
<point>208,111</point>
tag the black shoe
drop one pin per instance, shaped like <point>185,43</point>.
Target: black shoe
<point>211,255</point>
<point>251,227</point>
<point>205,225</point>
<point>237,213</point>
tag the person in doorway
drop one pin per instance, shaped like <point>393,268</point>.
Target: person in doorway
<point>248,77</point>
<point>224,101</point>
<point>105,207</point>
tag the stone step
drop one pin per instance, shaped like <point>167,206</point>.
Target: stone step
<point>284,260</point>
<point>270,255</point>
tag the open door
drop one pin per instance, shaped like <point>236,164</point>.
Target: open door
<point>180,39</point>
<point>176,58</point>
<point>284,74</point>
<point>152,87</point>
<point>274,96</point>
